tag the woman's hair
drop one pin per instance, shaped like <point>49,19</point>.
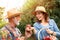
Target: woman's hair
<point>45,14</point>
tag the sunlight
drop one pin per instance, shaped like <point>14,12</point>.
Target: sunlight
<point>8,4</point>
<point>12,3</point>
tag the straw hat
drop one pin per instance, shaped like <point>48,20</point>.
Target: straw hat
<point>39,8</point>
<point>12,13</point>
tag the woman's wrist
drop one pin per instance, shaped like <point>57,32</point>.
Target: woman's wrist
<point>34,30</point>
<point>54,33</point>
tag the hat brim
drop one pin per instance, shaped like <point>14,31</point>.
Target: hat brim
<point>17,14</point>
<point>34,13</point>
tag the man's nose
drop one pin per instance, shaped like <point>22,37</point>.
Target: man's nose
<point>17,18</point>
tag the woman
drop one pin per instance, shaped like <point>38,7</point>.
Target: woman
<point>43,21</point>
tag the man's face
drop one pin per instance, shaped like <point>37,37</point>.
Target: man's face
<point>16,19</point>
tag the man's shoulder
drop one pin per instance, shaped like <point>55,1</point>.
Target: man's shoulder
<point>17,28</point>
<point>18,31</point>
<point>4,30</point>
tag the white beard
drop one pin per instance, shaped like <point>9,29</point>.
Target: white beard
<point>16,22</point>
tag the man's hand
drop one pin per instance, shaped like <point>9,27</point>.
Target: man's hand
<point>22,38</point>
<point>28,31</point>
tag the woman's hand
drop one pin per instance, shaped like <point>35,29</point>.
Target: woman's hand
<point>49,31</point>
<point>52,38</point>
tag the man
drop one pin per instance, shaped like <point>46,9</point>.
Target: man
<point>10,31</point>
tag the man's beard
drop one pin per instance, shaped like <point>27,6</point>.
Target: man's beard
<point>16,22</point>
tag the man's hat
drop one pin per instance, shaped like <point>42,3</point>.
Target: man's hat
<point>12,13</point>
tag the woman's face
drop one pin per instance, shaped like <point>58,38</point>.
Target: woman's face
<point>39,16</point>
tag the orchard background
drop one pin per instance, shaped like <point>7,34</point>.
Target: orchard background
<point>52,7</point>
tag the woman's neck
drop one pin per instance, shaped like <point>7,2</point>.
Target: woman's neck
<point>44,23</point>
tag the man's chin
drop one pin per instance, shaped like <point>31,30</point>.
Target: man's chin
<point>17,24</point>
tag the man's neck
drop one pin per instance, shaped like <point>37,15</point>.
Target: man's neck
<point>10,28</point>
<point>12,25</point>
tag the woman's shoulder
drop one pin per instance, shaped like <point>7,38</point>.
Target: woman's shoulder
<point>51,20</point>
<point>36,23</point>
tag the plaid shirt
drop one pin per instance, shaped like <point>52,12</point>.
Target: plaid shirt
<point>6,34</point>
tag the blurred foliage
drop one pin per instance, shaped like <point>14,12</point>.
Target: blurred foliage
<point>26,17</point>
<point>55,12</point>
<point>2,21</point>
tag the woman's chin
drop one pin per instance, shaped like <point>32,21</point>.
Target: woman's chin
<point>40,19</point>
